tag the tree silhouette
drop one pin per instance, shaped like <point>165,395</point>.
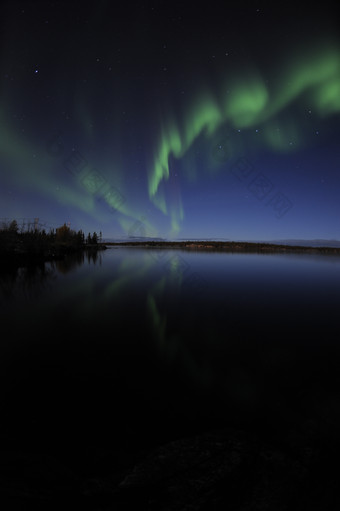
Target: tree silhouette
<point>24,241</point>
<point>63,233</point>
<point>13,226</point>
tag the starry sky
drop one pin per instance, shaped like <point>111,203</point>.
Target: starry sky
<point>172,119</point>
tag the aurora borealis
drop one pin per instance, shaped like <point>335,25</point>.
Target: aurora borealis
<point>171,120</point>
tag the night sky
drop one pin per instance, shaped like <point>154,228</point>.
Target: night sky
<point>172,120</point>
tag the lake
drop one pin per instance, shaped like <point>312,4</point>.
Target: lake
<point>107,355</point>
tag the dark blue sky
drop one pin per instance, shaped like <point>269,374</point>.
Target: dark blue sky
<point>171,119</point>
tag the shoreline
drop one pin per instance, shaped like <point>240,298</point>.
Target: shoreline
<point>229,246</point>
<point>25,258</point>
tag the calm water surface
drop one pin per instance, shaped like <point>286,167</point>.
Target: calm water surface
<point>138,346</point>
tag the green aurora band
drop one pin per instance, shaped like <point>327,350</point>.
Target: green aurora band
<point>246,102</point>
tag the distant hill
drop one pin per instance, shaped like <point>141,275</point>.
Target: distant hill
<point>308,243</point>
<point>296,242</point>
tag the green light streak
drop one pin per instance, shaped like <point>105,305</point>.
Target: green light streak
<point>204,114</point>
<point>33,170</point>
<point>177,216</point>
<point>128,274</point>
<point>158,321</point>
<point>327,97</point>
<point>176,143</point>
<point>309,69</point>
<point>246,101</point>
<point>271,102</point>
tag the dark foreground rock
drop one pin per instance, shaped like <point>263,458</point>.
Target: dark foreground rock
<point>227,469</point>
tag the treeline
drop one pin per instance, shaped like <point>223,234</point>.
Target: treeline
<point>33,241</point>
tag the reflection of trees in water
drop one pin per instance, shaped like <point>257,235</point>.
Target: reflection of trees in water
<point>73,261</point>
<point>94,256</point>
<point>69,263</point>
<point>28,281</point>
<point>17,282</point>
